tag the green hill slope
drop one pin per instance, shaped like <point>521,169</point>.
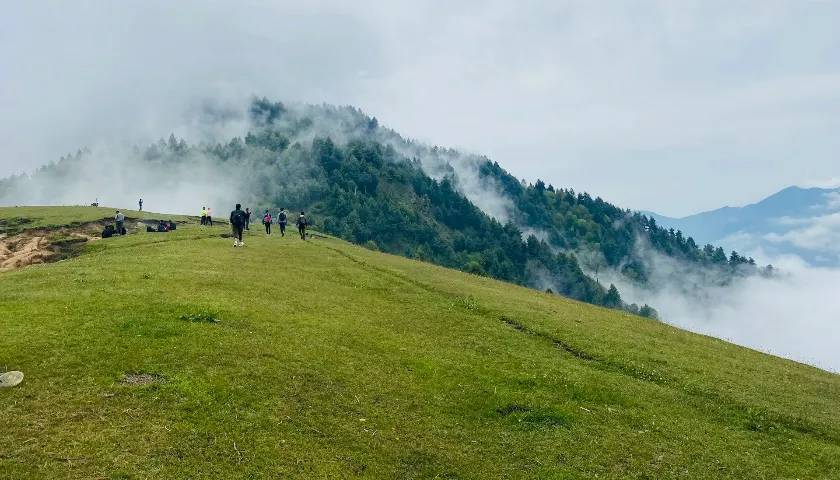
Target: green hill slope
<point>367,184</point>
<point>331,361</point>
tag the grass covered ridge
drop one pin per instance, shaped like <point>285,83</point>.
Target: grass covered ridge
<point>177,356</point>
<point>16,219</point>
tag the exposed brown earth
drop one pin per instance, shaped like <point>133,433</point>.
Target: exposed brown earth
<point>43,245</point>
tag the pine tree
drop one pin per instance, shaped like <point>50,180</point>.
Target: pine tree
<point>612,298</point>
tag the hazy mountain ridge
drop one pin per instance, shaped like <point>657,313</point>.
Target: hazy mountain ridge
<point>794,221</point>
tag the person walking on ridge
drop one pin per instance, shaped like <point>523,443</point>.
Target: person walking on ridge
<point>301,224</point>
<point>140,203</point>
<point>204,215</point>
<point>267,222</point>
<point>247,219</point>
<point>281,221</point>
<point>209,217</point>
<point>237,224</point>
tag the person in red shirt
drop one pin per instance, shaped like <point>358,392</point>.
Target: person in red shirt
<point>267,222</point>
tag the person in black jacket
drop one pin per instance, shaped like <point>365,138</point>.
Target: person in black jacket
<point>247,219</point>
<point>282,218</point>
<point>301,224</point>
<point>237,224</point>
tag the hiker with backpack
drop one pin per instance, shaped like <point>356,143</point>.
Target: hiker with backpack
<point>281,221</point>
<point>267,222</point>
<point>301,224</point>
<point>237,224</point>
<point>204,215</point>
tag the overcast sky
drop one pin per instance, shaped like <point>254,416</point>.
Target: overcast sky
<point>672,106</point>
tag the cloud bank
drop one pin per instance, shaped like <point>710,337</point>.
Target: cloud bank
<point>608,97</point>
<point>794,313</point>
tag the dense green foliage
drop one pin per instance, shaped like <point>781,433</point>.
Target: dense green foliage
<point>621,238</point>
<point>377,197</point>
<point>367,193</point>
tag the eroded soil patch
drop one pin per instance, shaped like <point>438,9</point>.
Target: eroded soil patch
<point>44,245</point>
<point>141,379</point>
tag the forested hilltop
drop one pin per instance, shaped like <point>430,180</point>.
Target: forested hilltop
<point>367,184</point>
<point>610,237</point>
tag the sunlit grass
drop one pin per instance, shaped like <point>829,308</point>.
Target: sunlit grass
<point>321,359</point>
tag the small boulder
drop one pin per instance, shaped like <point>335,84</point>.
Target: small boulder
<point>10,379</point>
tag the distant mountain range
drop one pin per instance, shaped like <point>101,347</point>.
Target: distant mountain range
<point>795,221</point>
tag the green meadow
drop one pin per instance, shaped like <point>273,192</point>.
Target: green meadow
<point>176,355</point>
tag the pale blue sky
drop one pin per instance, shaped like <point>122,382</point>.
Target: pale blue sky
<point>673,106</point>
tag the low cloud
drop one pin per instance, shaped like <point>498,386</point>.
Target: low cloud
<point>821,233</point>
<point>705,87</point>
<point>793,314</point>
<point>119,177</point>
<point>832,200</point>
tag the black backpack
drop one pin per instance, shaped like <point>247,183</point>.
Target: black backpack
<point>238,218</point>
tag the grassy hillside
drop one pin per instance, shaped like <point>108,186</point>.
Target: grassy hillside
<point>320,359</point>
<point>16,219</point>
